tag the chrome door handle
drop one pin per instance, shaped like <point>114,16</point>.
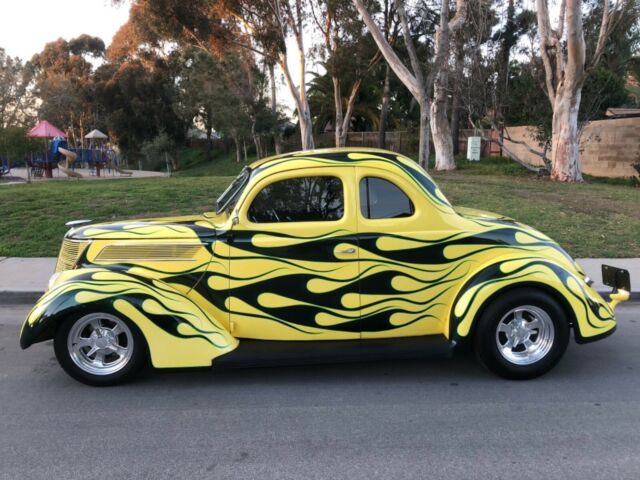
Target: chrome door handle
<point>347,250</point>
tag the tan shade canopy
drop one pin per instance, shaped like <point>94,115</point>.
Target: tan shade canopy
<point>95,134</point>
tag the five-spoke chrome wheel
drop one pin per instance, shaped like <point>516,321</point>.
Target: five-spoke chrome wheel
<point>525,335</point>
<point>100,344</point>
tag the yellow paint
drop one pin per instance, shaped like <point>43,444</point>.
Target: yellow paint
<point>426,293</point>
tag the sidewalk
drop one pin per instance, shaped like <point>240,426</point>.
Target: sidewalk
<point>24,280</point>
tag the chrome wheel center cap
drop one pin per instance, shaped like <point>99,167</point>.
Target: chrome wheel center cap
<point>102,338</point>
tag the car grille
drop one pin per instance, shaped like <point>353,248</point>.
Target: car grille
<point>69,254</point>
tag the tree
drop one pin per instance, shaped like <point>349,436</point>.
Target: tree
<point>267,25</point>
<point>364,114</point>
<point>15,145</point>
<point>138,100</point>
<point>349,58</point>
<point>566,70</point>
<point>17,102</point>
<point>414,79</point>
<point>64,84</point>
<point>434,111</point>
<point>441,131</point>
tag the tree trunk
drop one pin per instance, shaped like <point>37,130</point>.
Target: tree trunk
<point>384,109</point>
<point>209,130</point>
<point>455,101</point>
<point>302,106</point>
<point>274,109</point>
<point>344,121</point>
<point>337,103</point>
<point>565,147</point>
<point>442,142</point>
<point>414,82</point>
<point>244,146</point>
<point>238,151</point>
<point>423,146</point>
<point>256,139</point>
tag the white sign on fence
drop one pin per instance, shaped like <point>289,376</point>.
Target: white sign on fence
<point>474,145</point>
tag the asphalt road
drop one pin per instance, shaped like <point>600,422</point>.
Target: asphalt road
<point>394,420</point>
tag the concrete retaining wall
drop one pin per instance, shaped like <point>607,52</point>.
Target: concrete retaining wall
<point>608,147</point>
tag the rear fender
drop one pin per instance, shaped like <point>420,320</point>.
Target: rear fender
<point>179,333</point>
<point>591,315</point>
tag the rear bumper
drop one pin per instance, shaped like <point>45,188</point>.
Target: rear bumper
<point>618,279</point>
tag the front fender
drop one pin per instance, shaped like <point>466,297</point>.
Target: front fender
<point>178,332</point>
<point>593,317</point>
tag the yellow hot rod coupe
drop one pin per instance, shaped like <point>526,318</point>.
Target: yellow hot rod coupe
<point>326,255</point>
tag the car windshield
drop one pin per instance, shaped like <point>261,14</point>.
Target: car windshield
<point>230,196</point>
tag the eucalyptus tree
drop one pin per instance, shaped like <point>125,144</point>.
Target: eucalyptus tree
<point>563,53</point>
<point>64,84</point>
<point>433,112</point>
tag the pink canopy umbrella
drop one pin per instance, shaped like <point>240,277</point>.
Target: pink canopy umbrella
<point>45,130</point>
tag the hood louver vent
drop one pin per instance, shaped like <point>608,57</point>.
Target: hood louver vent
<point>149,252</point>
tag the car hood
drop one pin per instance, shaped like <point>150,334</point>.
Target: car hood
<point>476,214</point>
<point>186,227</point>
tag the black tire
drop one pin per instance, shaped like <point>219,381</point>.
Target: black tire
<point>486,340</point>
<point>135,363</point>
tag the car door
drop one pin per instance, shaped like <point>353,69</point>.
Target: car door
<point>293,258</point>
<point>400,287</point>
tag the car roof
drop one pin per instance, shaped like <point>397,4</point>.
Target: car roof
<point>325,152</point>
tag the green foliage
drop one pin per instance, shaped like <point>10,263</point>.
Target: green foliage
<point>15,145</point>
<point>64,83</point>
<point>16,96</point>
<point>603,89</point>
<point>138,101</point>
<point>160,149</point>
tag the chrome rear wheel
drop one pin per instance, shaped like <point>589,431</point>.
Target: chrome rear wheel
<point>525,335</point>
<point>522,333</point>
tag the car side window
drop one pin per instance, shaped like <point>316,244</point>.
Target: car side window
<point>380,198</point>
<point>303,199</point>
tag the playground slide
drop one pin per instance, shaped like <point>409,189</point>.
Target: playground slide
<point>71,157</point>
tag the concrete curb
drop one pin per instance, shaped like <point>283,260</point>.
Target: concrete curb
<point>17,297</point>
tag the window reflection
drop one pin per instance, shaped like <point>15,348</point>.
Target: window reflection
<point>304,199</point>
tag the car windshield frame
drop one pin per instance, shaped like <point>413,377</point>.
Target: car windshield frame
<point>228,199</point>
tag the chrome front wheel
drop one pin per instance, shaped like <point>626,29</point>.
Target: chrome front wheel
<point>100,344</point>
<point>100,348</point>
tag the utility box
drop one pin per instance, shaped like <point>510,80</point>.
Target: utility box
<point>474,146</point>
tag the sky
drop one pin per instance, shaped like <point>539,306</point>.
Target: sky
<point>27,25</point>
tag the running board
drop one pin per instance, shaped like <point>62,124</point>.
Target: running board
<point>269,353</point>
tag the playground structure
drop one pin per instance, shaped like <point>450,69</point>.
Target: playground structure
<point>67,159</point>
<point>96,158</point>
<point>99,161</point>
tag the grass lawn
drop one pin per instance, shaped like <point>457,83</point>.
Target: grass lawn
<point>589,220</point>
